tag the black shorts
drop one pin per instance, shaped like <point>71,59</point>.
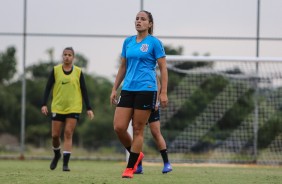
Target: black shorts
<point>155,116</point>
<point>142,100</point>
<point>63,117</point>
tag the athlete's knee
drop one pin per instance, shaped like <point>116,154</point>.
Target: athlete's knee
<point>118,128</point>
<point>138,131</point>
<point>55,136</point>
<point>68,134</point>
<point>155,133</point>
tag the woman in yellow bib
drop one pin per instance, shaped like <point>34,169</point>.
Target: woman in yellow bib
<point>69,88</point>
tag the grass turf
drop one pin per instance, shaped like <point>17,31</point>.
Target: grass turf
<point>102,172</point>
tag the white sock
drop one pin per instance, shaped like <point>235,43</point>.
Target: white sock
<point>66,152</point>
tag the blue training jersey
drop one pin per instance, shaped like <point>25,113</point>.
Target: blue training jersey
<point>141,59</point>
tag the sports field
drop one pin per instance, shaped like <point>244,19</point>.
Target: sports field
<point>102,172</point>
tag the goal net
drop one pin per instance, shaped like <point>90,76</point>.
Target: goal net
<point>222,110</point>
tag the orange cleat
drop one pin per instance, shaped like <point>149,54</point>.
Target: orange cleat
<point>128,173</point>
<point>141,156</point>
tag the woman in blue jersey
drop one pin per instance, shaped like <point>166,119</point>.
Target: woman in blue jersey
<point>140,55</point>
<point>67,82</point>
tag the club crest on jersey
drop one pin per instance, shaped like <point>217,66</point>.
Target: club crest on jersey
<point>144,47</point>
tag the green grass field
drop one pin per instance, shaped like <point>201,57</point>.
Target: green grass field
<point>102,172</point>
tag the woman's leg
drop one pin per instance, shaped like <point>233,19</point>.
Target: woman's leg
<point>140,118</point>
<point>56,141</point>
<point>155,128</point>
<point>56,133</point>
<point>122,118</point>
<point>70,125</point>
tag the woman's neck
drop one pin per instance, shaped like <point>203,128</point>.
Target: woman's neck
<point>67,67</point>
<point>141,36</point>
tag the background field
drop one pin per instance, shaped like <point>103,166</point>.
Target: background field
<point>96,172</point>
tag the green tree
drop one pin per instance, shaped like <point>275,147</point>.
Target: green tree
<point>81,61</point>
<point>8,100</point>
<point>99,132</point>
<point>8,110</point>
<point>7,64</point>
<point>169,50</point>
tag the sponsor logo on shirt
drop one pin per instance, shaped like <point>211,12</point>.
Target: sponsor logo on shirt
<point>65,82</point>
<point>144,47</point>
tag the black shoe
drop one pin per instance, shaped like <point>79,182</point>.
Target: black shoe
<point>54,162</point>
<point>66,168</point>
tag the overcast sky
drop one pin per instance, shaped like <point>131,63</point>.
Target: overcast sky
<point>213,18</point>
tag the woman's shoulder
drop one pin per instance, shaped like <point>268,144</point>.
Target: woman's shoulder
<point>77,67</point>
<point>58,66</point>
<point>129,38</point>
<point>154,38</point>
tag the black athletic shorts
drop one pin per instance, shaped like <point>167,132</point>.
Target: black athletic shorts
<point>142,100</point>
<point>63,117</point>
<point>155,116</point>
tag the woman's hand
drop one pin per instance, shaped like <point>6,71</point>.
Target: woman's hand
<point>157,105</point>
<point>90,114</point>
<point>163,100</point>
<point>44,110</point>
<point>113,97</point>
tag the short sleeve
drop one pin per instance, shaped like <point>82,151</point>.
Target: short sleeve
<point>159,51</point>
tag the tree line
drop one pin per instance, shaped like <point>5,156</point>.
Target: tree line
<point>99,133</point>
